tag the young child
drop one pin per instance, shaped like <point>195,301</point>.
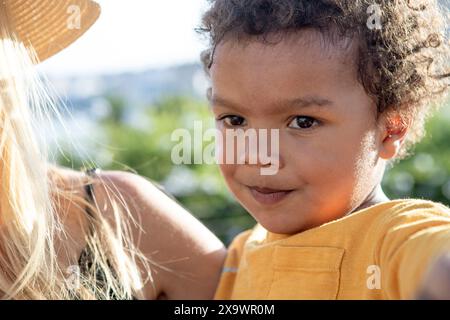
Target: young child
<point>349,85</point>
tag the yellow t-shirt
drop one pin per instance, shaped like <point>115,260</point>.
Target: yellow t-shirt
<point>380,252</point>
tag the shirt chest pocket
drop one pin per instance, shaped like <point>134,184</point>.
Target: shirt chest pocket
<point>306,273</point>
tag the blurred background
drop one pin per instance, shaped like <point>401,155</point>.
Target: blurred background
<point>135,77</point>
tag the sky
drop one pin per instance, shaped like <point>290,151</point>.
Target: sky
<point>134,35</point>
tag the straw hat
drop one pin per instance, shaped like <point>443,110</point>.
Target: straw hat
<point>50,25</point>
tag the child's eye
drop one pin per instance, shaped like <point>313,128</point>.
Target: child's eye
<point>233,121</point>
<point>303,122</point>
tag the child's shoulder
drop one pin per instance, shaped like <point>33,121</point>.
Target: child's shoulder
<point>413,211</point>
<point>407,238</point>
<point>413,221</point>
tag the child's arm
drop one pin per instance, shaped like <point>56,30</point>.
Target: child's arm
<point>436,285</point>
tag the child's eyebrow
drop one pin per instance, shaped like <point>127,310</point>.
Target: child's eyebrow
<point>310,102</point>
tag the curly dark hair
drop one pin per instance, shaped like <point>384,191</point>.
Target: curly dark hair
<point>400,65</point>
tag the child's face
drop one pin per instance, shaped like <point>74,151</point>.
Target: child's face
<point>331,157</point>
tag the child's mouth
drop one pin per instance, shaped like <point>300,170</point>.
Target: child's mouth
<point>268,196</point>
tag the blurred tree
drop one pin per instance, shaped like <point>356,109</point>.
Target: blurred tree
<point>146,150</point>
<point>426,174</point>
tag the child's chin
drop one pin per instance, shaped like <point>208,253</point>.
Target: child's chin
<point>279,225</point>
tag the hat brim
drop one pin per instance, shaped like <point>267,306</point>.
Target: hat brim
<point>49,26</point>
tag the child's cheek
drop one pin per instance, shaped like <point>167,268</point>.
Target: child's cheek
<point>229,173</point>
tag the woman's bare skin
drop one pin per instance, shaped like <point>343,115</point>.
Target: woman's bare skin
<point>169,235</point>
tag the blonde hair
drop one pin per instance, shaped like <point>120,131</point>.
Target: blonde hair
<point>29,222</point>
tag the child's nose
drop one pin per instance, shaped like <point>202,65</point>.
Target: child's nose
<point>261,152</point>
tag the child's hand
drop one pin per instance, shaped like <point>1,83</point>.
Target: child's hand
<point>437,281</point>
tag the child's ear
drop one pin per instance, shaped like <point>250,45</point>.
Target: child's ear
<point>393,133</point>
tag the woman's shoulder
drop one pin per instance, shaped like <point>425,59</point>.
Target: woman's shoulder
<point>186,256</point>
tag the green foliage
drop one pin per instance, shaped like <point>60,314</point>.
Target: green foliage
<point>426,174</point>
<point>145,149</point>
